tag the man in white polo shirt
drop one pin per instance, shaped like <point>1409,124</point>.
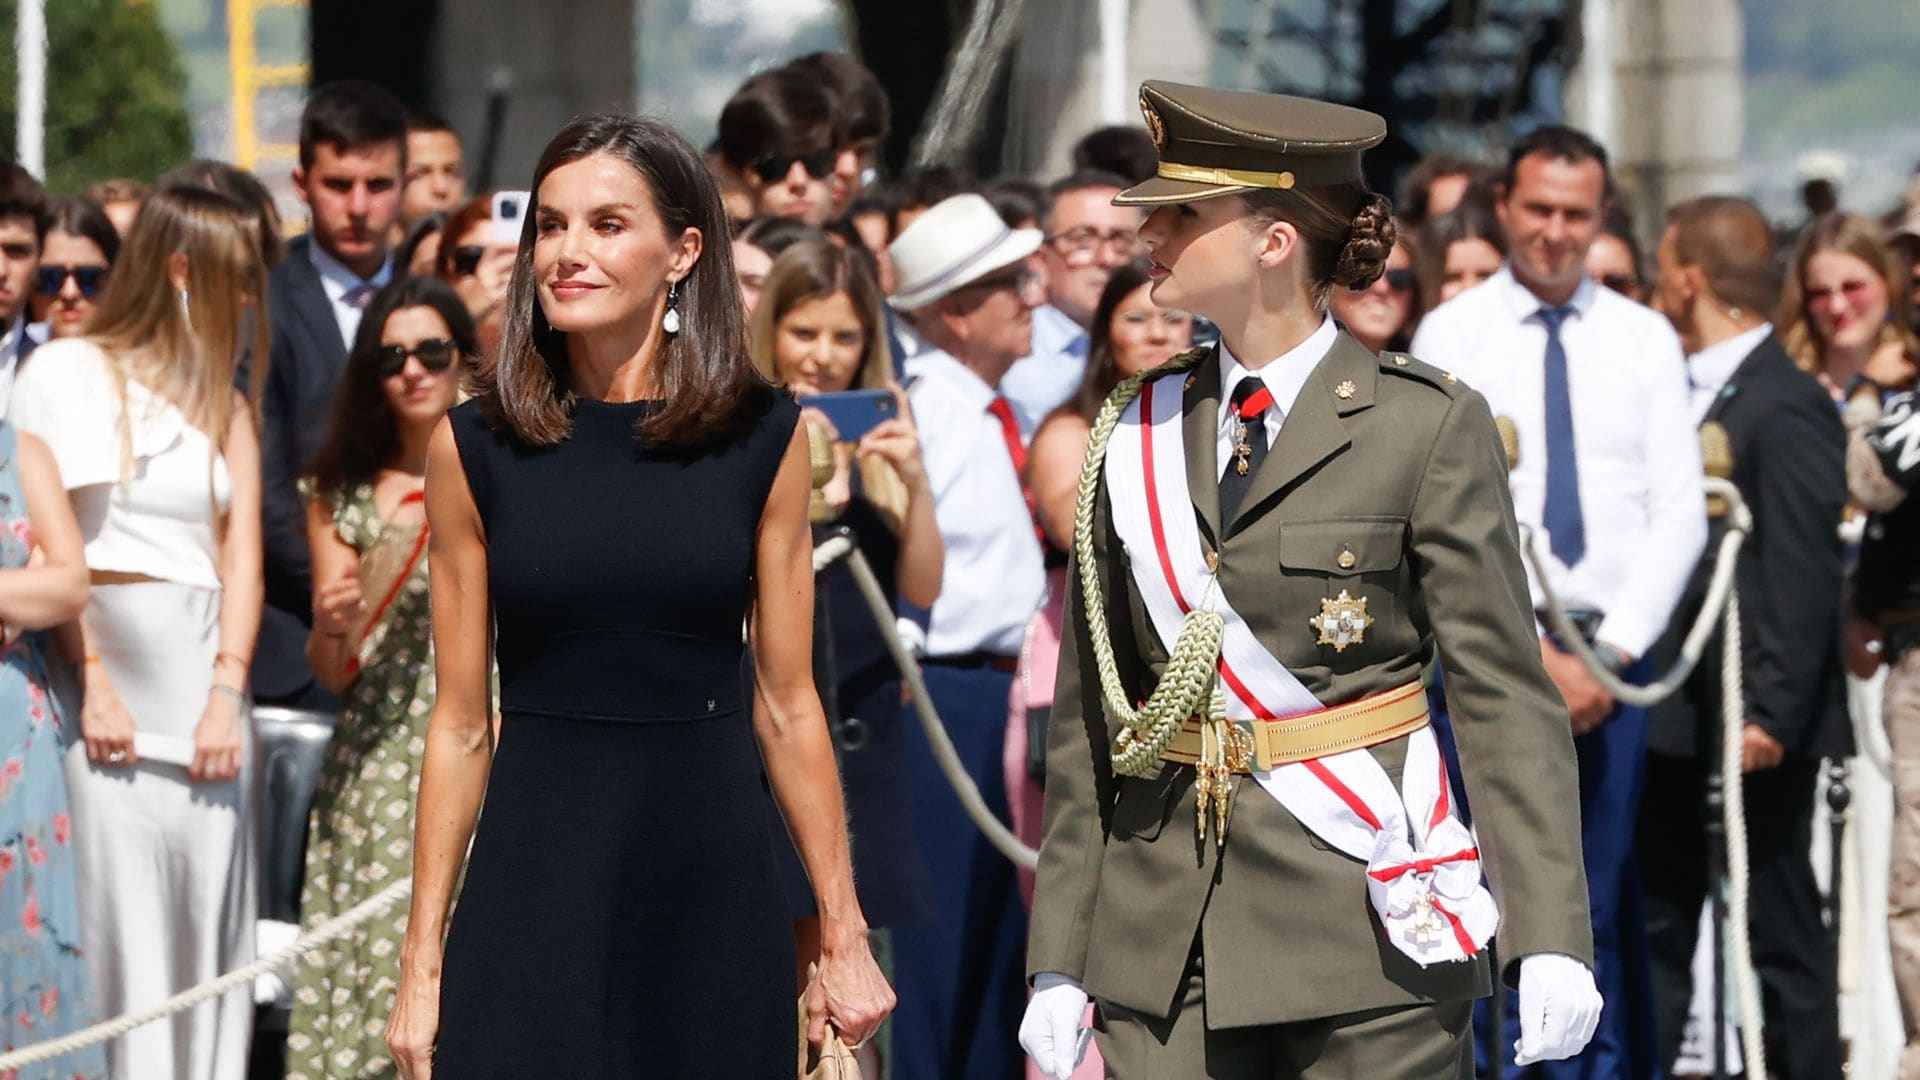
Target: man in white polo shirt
<point>964,286</point>
<point>1607,491</point>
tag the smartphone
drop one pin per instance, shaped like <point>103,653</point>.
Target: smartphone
<point>854,412</point>
<point>509,209</point>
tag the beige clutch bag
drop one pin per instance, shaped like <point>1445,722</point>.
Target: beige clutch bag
<point>833,1061</point>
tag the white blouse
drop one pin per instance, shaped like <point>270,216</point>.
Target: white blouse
<point>158,518</point>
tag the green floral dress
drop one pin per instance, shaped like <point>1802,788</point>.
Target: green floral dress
<point>360,838</point>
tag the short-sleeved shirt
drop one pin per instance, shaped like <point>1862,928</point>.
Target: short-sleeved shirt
<point>148,487</point>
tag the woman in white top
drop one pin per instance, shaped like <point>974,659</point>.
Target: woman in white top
<point>161,460</point>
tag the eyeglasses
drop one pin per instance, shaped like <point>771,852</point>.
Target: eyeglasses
<point>466,259</point>
<point>1087,240</point>
<point>819,164</point>
<point>54,278</point>
<point>434,354</point>
<point>1855,291</point>
<point>1401,280</point>
<point>1621,283</point>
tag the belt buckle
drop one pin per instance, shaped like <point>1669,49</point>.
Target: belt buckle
<point>1246,748</point>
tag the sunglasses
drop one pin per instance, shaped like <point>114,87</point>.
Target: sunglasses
<point>434,354</point>
<point>90,278</point>
<point>1855,292</point>
<point>466,259</point>
<point>1621,283</point>
<point>1402,280</point>
<point>819,165</point>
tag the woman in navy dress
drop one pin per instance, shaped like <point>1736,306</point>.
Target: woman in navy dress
<point>623,497</point>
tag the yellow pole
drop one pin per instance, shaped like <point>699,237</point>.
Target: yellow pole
<point>243,59</point>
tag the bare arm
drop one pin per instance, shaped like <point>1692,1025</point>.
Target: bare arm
<point>1053,471</point>
<point>336,598</point>
<point>792,731</point>
<point>922,553</point>
<point>242,558</point>
<point>453,774</point>
<point>54,589</point>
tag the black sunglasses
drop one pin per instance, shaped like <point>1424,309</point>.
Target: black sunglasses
<point>1621,283</point>
<point>54,278</point>
<point>818,164</point>
<point>434,354</point>
<point>466,259</point>
<point>1402,280</point>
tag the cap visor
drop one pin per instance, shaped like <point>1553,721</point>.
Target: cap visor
<point>1158,190</point>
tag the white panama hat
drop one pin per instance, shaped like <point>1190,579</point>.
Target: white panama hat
<point>952,244</point>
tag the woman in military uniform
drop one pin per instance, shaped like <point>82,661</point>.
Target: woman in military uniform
<point>1251,859</point>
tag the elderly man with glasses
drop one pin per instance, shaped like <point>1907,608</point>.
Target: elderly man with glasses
<point>1087,239</point>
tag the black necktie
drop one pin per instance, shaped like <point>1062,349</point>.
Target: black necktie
<point>1249,404</point>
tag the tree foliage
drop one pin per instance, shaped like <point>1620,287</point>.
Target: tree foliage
<point>116,92</point>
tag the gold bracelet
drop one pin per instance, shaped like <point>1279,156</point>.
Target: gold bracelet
<point>90,658</point>
<point>219,656</point>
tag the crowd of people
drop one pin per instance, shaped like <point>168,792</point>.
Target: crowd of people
<point>214,475</point>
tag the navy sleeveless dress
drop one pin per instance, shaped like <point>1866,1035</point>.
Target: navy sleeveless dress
<point>621,914</point>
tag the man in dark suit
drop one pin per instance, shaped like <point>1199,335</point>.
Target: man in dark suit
<point>23,229</point>
<point>352,160</point>
<point>1717,281</point>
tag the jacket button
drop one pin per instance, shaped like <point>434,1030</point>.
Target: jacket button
<point>1348,559</point>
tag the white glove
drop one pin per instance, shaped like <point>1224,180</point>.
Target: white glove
<point>1050,1032</point>
<point>1559,1008</point>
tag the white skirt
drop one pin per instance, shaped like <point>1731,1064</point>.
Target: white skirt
<point>166,867</point>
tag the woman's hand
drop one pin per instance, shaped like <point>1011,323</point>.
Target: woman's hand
<point>897,441</point>
<point>216,739</point>
<point>337,605</point>
<point>848,993</point>
<point>414,1025</point>
<point>105,724</point>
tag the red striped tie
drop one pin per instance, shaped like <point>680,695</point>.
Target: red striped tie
<point>1017,450</point>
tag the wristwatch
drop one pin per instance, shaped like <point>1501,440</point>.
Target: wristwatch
<point>1861,380</point>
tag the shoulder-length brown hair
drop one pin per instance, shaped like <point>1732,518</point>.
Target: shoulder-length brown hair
<point>703,372</point>
<point>1103,373</point>
<point>186,345</point>
<point>1852,235</point>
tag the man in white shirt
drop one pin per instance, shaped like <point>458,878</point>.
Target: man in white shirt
<point>1607,492</point>
<point>1088,238</point>
<point>23,227</point>
<point>963,285</point>
<point>352,161</point>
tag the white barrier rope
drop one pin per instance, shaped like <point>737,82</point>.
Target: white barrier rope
<point>996,832</point>
<point>834,549</point>
<point>325,934</point>
<point>1721,606</point>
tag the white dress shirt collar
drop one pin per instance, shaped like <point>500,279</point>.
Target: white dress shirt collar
<point>1525,305</point>
<point>336,281</point>
<point>1710,368</point>
<point>1284,377</point>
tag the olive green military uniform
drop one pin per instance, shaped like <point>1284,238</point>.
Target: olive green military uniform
<point>1262,957</point>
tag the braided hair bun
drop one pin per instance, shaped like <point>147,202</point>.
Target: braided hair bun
<point>1370,240</point>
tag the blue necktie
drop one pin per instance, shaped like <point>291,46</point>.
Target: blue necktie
<point>1566,529</point>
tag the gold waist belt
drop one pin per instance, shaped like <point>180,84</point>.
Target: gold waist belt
<point>1259,745</point>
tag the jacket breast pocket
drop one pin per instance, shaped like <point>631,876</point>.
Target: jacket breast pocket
<point>1361,564</point>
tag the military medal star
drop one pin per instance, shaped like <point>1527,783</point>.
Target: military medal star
<point>1342,621</point>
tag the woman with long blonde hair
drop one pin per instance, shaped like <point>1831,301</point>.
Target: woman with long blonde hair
<point>1843,310</point>
<point>160,458</point>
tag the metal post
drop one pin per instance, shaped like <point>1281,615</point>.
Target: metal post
<point>1839,799</point>
<point>1717,903</point>
<point>30,45</point>
<point>1114,98</point>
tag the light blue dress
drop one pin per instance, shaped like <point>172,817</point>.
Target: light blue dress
<point>43,973</point>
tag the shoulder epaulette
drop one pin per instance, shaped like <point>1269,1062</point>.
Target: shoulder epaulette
<point>1402,364</point>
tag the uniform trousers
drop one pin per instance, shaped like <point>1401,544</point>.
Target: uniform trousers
<point>961,978</point>
<point>1793,954</point>
<point>1419,1042</point>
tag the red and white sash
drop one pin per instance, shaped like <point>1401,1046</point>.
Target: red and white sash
<point>1423,868</point>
